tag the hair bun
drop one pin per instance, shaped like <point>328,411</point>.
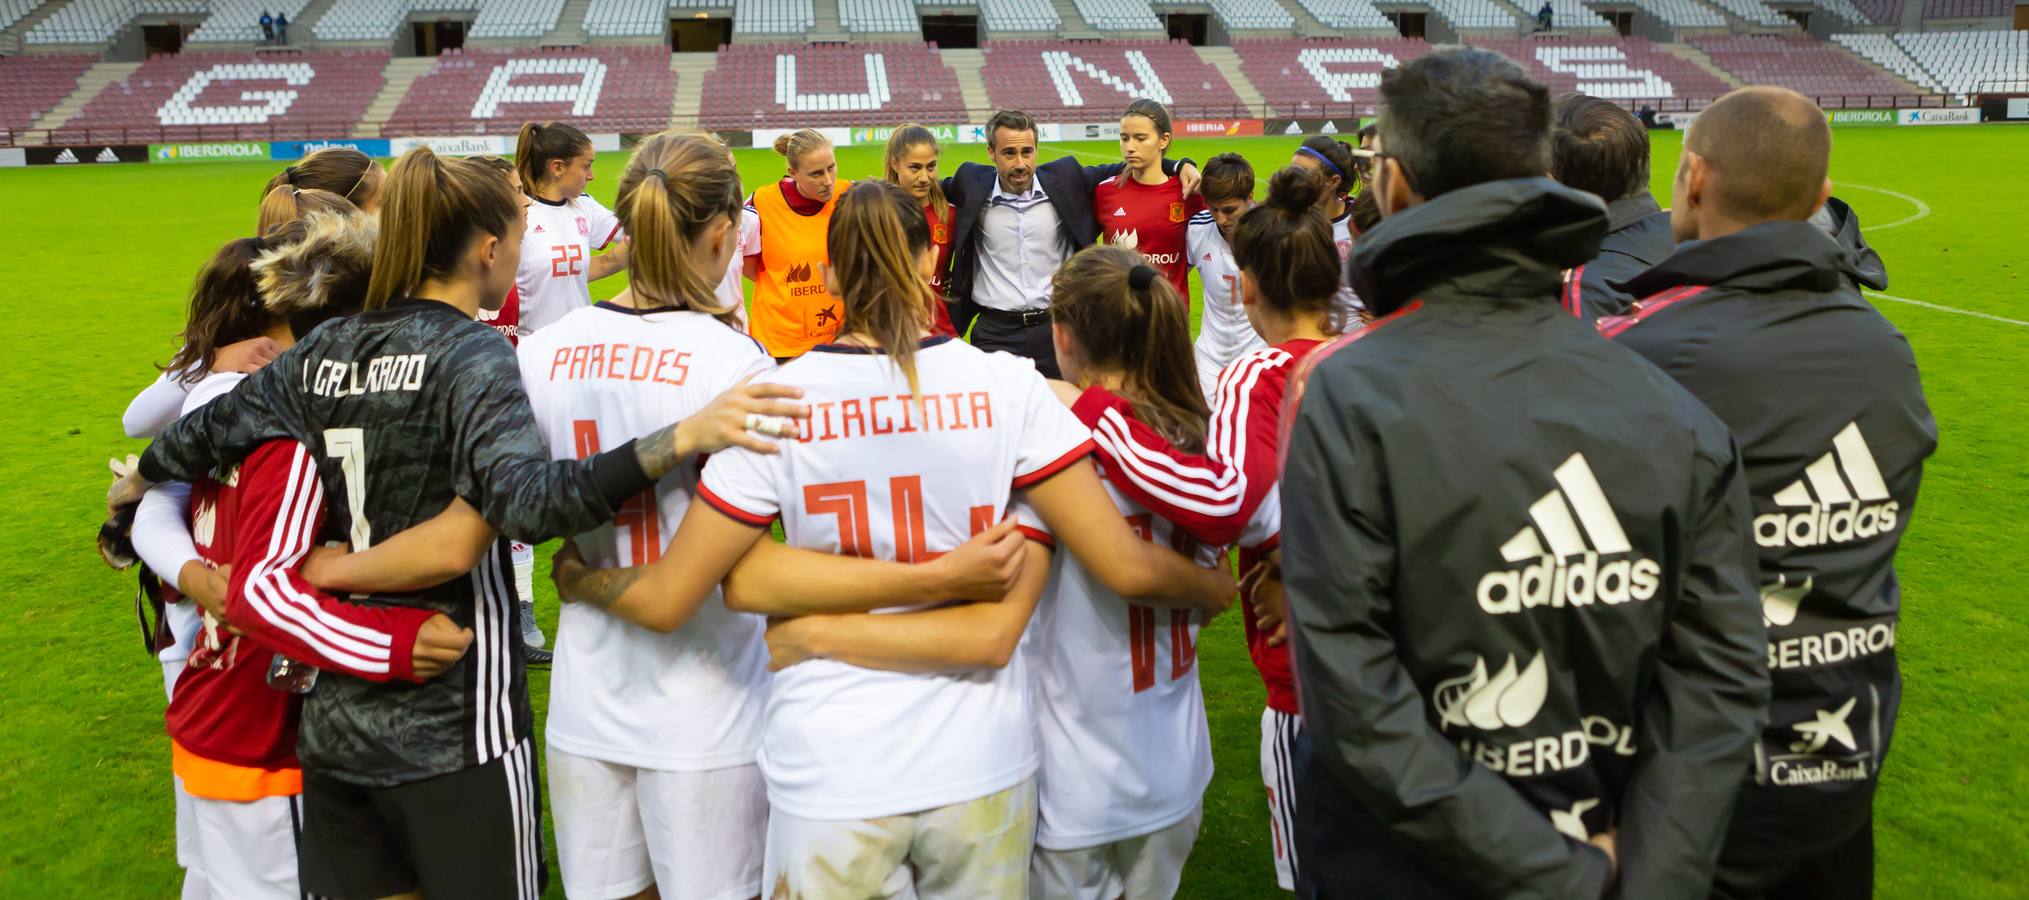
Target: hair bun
<point>782,144</point>
<point>1294,189</point>
<point>1141,276</point>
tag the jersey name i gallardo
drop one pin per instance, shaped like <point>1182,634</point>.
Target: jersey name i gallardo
<point>686,701</point>
<point>404,409</point>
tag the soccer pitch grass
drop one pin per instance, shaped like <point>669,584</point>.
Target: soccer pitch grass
<point>104,257</point>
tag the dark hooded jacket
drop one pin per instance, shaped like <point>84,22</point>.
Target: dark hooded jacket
<point>1520,581</point>
<point>1822,394</point>
<point>1637,237</point>
<point>1843,224</point>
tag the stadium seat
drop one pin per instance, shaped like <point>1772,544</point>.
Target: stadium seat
<point>1016,15</point>
<point>878,15</point>
<point>1967,9</point>
<point>240,20</point>
<point>1347,14</point>
<point>774,16</point>
<point>1755,12</point>
<point>1682,13</point>
<point>1253,15</point>
<point>1798,62</point>
<point>1568,15</point>
<point>325,92</point>
<point>1118,15</point>
<point>97,21</point>
<point>12,11</point>
<point>1617,69</point>
<point>1962,62</point>
<point>794,85</point>
<point>1475,15</point>
<point>598,89</point>
<point>36,84</point>
<point>377,20</point>
<point>1883,51</point>
<point>1308,78</point>
<point>1089,82</point>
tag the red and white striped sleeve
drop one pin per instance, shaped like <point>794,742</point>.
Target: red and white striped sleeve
<point>281,508</point>
<point>1246,427</point>
<point>1200,493</point>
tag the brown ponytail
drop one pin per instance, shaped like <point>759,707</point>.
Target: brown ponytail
<point>876,234</point>
<point>225,308</point>
<point>905,139</point>
<point>1126,317</point>
<point>340,170</point>
<point>1286,246</point>
<point>674,186</point>
<point>539,144</point>
<point>286,204</point>
<point>435,209</point>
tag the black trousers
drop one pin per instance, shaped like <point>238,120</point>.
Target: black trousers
<point>996,330</point>
<point>1844,872</point>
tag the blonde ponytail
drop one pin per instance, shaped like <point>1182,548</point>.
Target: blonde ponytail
<point>876,234</point>
<point>434,209</point>
<point>674,187</point>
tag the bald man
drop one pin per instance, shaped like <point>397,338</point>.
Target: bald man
<point>1757,314</point>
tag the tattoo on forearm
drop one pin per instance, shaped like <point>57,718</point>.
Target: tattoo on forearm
<point>602,587</point>
<point>657,451</point>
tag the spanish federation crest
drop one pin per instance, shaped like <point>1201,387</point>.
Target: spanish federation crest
<point>1176,212</point>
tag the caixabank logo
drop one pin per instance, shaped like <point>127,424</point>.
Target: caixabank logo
<point>1829,746</point>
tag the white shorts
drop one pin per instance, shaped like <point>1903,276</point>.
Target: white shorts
<point>249,849</point>
<point>1146,867</point>
<point>975,849</point>
<point>694,835</point>
<point>1278,775</point>
<point>1208,372</point>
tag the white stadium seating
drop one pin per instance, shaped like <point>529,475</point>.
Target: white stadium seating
<point>1960,62</point>
<point>1253,15</point>
<point>1346,14</point>
<point>240,20</point>
<point>1844,10</point>
<point>773,16</point>
<point>1474,14</point>
<point>375,20</point>
<point>1754,12</point>
<point>878,15</point>
<point>1569,14</point>
<point>1883,51</point>
<point>11,11</point>
<point>1118,15</point>
<point>1013,15</point>
<point>1683,13</point>
<point>96,21</point>
<point>614,18</point>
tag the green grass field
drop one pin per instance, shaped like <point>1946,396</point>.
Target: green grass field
<point>105,254</point>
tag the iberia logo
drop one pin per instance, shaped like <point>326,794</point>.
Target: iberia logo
<point>798,273</point>
<point>1176,212</point>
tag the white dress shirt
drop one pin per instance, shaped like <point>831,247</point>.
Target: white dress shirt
<point>1020,249</point>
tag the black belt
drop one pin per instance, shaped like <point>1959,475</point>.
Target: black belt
<point>1026,318</point>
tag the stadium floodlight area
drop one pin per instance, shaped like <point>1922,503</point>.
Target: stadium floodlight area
<point>1797,62</point>
<point>1616,69</point>
<point>1118,15</point>
<point>319,94</point>
<point>1094,82</point>
<point>794,85</point>
<point>96,21</point>
<point>1253,15</point>
<point>1316,78</point>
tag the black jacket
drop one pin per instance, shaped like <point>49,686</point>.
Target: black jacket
<point>1519,575</point>
<point>1067,184</point>
<point>1843,224</point>
<point>1637,237</point>
<point>1822,395</point>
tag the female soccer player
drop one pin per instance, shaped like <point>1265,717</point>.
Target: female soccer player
<point>340,170</point>
<point>1289,282</point>
<point>732,288</point>
<point>911,161</point>
<point>565,225</point>
<point>1223,334</point>
<point>1144,210</point>
<point>794,309</point>
<point>1333,163</point>
<point>889,782</point>
<point>432,787</point>
<point>287,204</point>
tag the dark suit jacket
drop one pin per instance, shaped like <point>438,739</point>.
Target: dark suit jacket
<point>1067,184</point>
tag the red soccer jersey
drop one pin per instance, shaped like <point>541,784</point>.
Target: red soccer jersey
<point>1150,219</point>
<point>1247,431</point>
<point>263,517</point>
<point>940,237</point>
<point>507,318</point>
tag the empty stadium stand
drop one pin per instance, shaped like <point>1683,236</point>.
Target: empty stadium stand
<point>1315,78</point>
<point>1967,9</point>
<point>1569,14</point>
<point>865,16</point>
<point>1801,63</point>
<point>598,89</point>
<point>1018,15</point>
<point>1682,13</point>
<point>378,20</point>
<point>1753,12</point>
<point>1090,82</point>
<point>195,96</point>
<point>97,21</point>
<point>628,18</point>
<point>240,20</point>
<point>794,85</point>
<point>773,16</point>
<point>1475,15</point>
<point>1961,62</point>
<point>35,85</point>
<point>1118,15</point>
<point>12,11</point>
<point>1622,69</point>
<point>1347,14</point>
<point>1253,15</point>
<point>1880,12</point>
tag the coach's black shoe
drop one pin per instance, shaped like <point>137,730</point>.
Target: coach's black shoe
<point>536,656</point>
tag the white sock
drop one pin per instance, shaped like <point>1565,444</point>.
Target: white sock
<point>524,578</point>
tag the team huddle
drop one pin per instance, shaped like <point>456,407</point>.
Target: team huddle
<point>1562,526</point>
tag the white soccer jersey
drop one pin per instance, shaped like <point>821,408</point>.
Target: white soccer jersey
<point>1225,332</point>
<point>874,474</point>
<point>1121,717</point>
<point>556,255</point>
<point>732,289</point>
<point>1348,299</point>
<point>620,693</point>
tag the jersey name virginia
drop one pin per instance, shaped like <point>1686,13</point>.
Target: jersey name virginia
<point>877,474</point>
<point>687,701</point>
<point>556,257</point>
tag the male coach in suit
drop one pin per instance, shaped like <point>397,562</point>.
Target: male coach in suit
<point>1017,223</point>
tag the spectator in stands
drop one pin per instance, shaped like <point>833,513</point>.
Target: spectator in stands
<point>1601,148</point>
<point>1544,17</point>
<point>793,308</point>
<point>267,28</point>
<point>281,28</point>
<point>1017,222</point>
<point>911,161</point>
<point>1824,399</point>
<point>1439,677</point>
<point>340,170</point>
